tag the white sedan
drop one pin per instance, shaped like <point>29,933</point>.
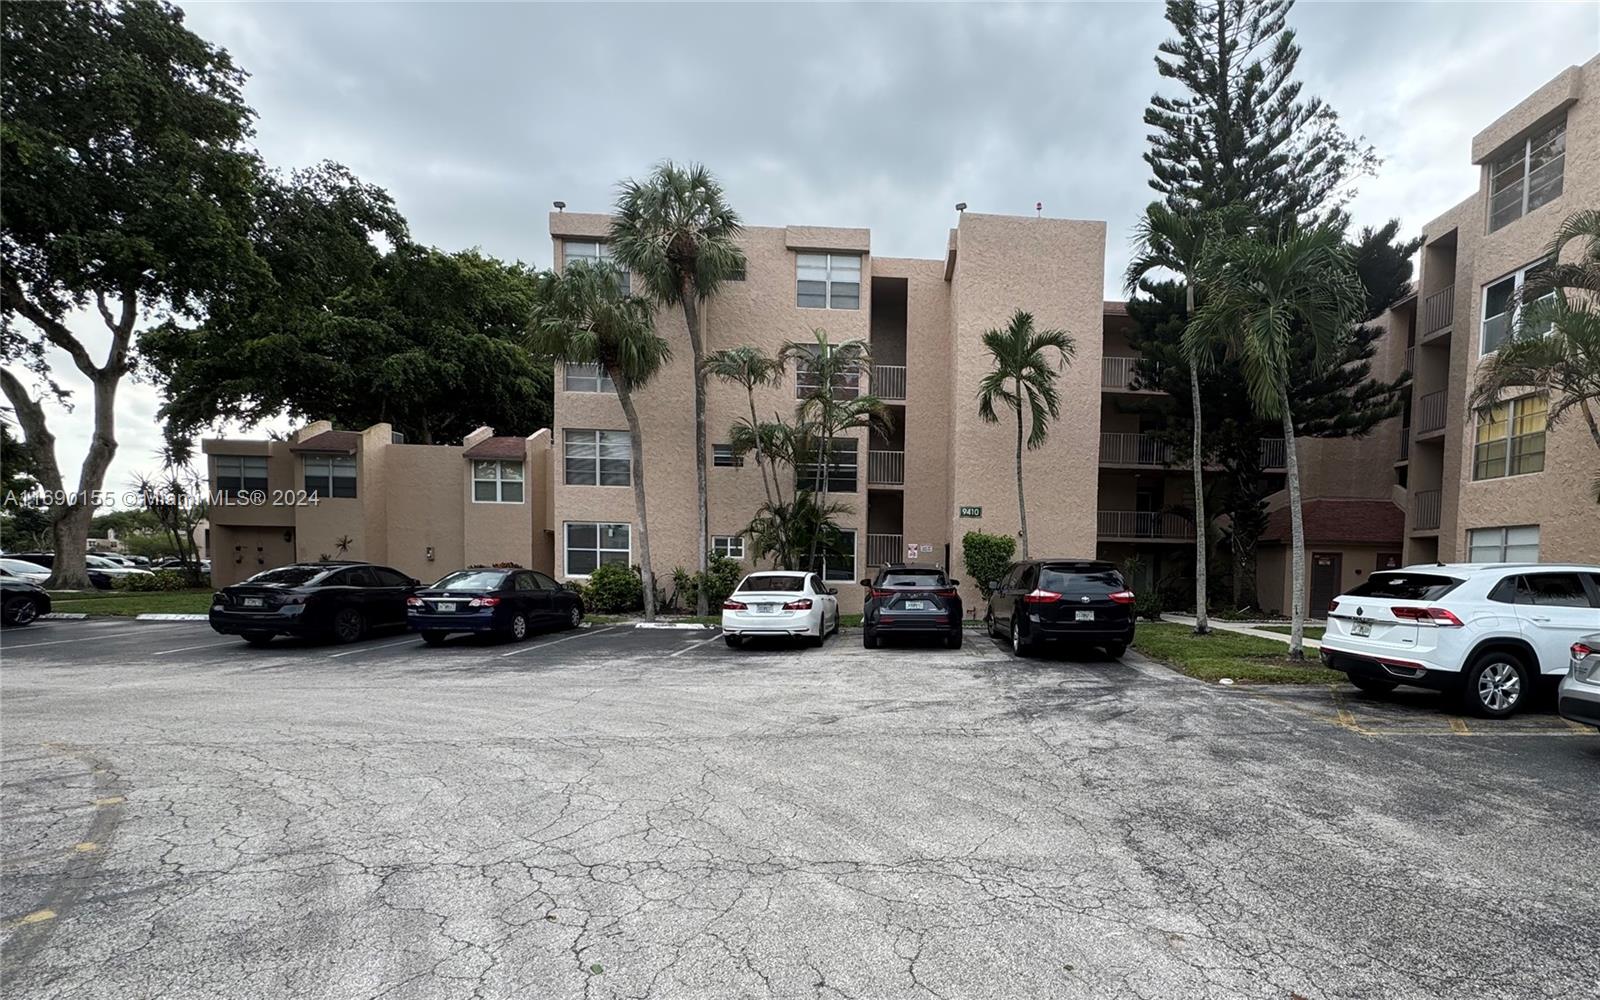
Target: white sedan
<point>32,572</point>
<point>780,602</point>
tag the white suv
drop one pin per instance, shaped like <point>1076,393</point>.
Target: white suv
<point>1486,630</point>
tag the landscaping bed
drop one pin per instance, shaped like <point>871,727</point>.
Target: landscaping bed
<point>126,604</point>
<point>1241,658</point>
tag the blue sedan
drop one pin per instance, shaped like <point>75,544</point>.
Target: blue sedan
<point>506,602</point>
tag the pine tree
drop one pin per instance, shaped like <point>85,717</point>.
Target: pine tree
<point>1240,133</point>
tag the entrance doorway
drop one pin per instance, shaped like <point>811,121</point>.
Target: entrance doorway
<point>1325,576</point>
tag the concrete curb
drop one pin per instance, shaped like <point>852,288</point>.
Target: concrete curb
<point>151,616</point>
<point>672,625</point>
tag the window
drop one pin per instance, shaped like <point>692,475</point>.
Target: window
<point>523,582</point>
<point>728,546</point>
<point>390,578</point>
<point>1493,545</point>
<point>839,470</point>
<point>1510,438</point>
<point>544,582</point>
<point>590,545</point>
<point>807,380</point>
<point>240,474</point>
<point>779,583</point>
<point>1501,306</point>
<point>723,457</point>
<point>828,280</point>
<point>496,481</point>
<point>596,253</point>
<point>1528,176</point>
<point>840,562</point>
<point>1553,590</point>
<point>587,378</point>
<point>1406,586</point>
<point>331,475</point>
<point>598,458</point>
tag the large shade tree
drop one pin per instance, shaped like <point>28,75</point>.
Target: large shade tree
<point>584,317</point>
<point>677,233</point>
<point>129,192</point>
<point>1024,363</point>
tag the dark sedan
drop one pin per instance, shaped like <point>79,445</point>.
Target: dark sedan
<point>1062,600</point>
<point>506,602</point>
<point>911,600</point>
<point>21,601</point>
<point>339,600</point>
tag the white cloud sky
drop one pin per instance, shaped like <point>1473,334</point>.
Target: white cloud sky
<point>477,117</point>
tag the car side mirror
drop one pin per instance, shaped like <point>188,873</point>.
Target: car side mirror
<point>834,591</point>
<point>955,583</point>
<point>866,583</point>
<point>994,585</point>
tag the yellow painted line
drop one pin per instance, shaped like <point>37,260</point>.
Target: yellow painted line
<point>112,800</point>
<point>38,917</point>
<point>85,847</point>
<point>1459,727</point>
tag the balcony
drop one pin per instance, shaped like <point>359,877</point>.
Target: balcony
<point>1117,372</point>
<point>1411,359</point>
<point>889,381</point>
<point>1274,455</point>
<point>1405,444</point>
<point>882,550</point>
<point>1143,450</point>
<point>1438,310</point>
<point>1430,413</point>
<point>1145,526</point>
<point>886,468</point>
<point>1425,510</point>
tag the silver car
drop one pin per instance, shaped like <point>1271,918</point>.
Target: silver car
<point>1580,689</point>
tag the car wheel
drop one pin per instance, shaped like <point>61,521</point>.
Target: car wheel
<point>953,640</point>
<point>1020,644</point>
<point>869,638</point>
<point>733,641</point>
<point>519,628</point>
<point>433,638</point>
<point>988,624</point>
<point>348,625</point>
<point>21,611</point>
<point>1374,685</point>
<point>258,638</point>
<point>1116,649</point>
<point>1496,683</point>
<point>575,617</point>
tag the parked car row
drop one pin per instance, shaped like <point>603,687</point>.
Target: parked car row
<point>346,601</point>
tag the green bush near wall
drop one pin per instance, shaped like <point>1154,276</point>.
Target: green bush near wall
<point>987,557</point>
<point>613,589</point>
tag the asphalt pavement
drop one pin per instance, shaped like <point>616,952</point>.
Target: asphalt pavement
<point>619,812</point>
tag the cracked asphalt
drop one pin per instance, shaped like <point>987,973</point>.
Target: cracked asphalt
<point>619,813</point>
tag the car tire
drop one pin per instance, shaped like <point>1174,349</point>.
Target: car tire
<point>869,638</point>
<point>1021,645</point>
<point>953,640</point>
<point>1496,683</point>
<point>1374,685</point>
<point>988,624</point>
<point>348,625</point>
<point>258,638</point>
<point>20,611</point>
<point>1116,649</point>
<point>518,629</point>
<point>575,617</point>
<point>433,638</point>
<point>815,641</point>
<point>733,641</point>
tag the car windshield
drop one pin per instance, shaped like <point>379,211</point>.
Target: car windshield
<point>472,579</point>
<point>1060,579</point>
<point>781,582</point>
<point>912,578</point>
<point>1406,586</point>
<point>289,576</point>
<point>19,566</point>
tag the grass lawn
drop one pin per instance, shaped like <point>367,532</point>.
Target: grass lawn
<point>1227,654</point>
<point>1311,631</point>
<point>124,604</point>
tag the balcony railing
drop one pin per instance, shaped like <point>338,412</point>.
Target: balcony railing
<point>1438,310</point>
<point>1122,448</point>
<point>889,381</point>
<point>1274,454</point>
<point>1116,372</point>
<point>883,550</point>
<point>1425,510</point>
<point>886,468</point>
<point>1405,444</point>
<point>1145,524</point>
<point>1411,359</point>
<point>1430,413</point>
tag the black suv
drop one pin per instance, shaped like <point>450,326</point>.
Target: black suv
<point>911,600</point>
<point>339,600</point>
<point>1062,600</point>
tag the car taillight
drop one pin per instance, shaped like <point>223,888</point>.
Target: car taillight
<point>1041,597</point>
<point>483,602</point>
<point>947,594</point>
<point>882,594</point>
<point>1333,606</point>
<point>1438,616</point>
<point>734,605</point>
<point>1579,650</point>
<point>1122,596</point>
<point>803,604</point>
<point>413,602</point>
<point>294,599</point>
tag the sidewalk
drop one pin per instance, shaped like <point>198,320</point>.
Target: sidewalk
<point>1259,633</point>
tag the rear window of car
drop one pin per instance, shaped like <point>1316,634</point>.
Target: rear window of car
<point>292,576</point>
<point>913,578</point>
<point>1063,578</point>
<point>772,581</point>
<point>472,579</point>
<point>1406,586</point>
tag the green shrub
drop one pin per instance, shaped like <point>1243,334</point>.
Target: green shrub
<point>1147,605</point>
<point>987,557</point>
<point>160,580</point>
<point>614,589</point>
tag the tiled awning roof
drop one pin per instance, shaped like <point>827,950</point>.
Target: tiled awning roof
<point>337,442</point>
<point>1342,522</point>
<point>513,448</point>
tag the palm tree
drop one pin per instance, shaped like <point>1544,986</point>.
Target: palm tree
<point>1266,295</point>
<point>1167,239</point>
<point>1021,372</point>
<point>582,315</point>
<point>751,368</point>
<point>678,234</point>
<point>1556,344</point>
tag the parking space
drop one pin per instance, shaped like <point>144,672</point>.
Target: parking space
<point>621,812</point>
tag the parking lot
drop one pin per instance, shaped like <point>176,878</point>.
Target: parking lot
<point>620,812</point>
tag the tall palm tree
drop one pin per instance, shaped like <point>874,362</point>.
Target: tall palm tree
<point>749,367</point>
<point>582,315</point>
<point>676,231</point>
<point>1556,344</point>
<point>1266,294</point>
<point>1021,373</point>
<point>1174,241</point>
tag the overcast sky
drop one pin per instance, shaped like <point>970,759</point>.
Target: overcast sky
<point>476,118</point>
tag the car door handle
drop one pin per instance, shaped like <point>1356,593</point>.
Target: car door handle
<point>1537,618</point>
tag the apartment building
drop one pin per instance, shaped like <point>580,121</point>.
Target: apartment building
<point>423,509</point>
<point>1501,484</point>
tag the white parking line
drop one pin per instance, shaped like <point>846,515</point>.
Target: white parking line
<point>208,645</point>
<point>696,645</point>
<point>81,638</point>
<point>580,635</point>
<point>367,649</point>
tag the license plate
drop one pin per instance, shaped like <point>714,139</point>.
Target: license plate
<point>766,609</point>
<point>916,605</point>
<point>1086,616</point>
<point>445,606</point>
<point>254,602</point>
<point>1361,629</point>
